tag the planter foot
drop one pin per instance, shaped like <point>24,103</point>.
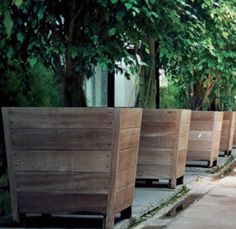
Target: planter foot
<point>172,183</point>
<point>23,220</point>
<point>209,164</point>
<point>126,213</point>
<point>227,153</point>
<point>180,180</point>
<point>215,163</point>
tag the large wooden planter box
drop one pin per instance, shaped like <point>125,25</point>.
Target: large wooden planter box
<point>227,134</point>
<point>204,137</point>
<point>69,160</point>
<point>163,145</point>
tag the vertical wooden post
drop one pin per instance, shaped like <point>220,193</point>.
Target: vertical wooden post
<point>110,213</point>
<point>10,164</point>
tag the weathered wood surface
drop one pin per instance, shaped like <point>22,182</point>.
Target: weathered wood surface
<point>227,133</point>
<point>163,144</point>
<point>204,136</point>
<point>234,139</point>
<point>66,160</point>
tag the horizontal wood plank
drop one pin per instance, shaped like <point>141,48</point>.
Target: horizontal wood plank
<point>62,139</point>
<point>62,182</point>
<point>61,203</point>
<point>154,172</point>
<point>162,115</point>
<point>157,142</point>
<point>70,161</point>
<point>61,118</point>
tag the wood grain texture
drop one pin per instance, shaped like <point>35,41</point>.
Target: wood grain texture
<point>59,118</point>
<point>62,161</point>
<point>57,139</point>
<point>204,136</point>
<point>227,133</point>
<point>163,144</point>
<point>61,203</point>
<point>62,182</point>
<point>67,160</point>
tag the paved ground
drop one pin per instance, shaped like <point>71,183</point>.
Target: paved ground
<point>215,210</point>
<point>148,199</point>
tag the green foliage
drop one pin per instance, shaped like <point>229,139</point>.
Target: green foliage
<point>35,86</point>
<point>170,97</point>
<point>204,68</point>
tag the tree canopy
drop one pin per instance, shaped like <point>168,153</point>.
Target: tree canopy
<point>192,40</point>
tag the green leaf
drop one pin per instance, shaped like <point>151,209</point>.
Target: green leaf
<point>32,61</point>
<point>114,1</point>
<point>20,37</point>
<point>112,32</point>
<point>8,23</point>
<point>18,3</point>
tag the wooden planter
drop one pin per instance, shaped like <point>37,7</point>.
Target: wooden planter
<point>227,134</point>
<point>69,160</point>
<point>204,137</point>
<point>163,145</point>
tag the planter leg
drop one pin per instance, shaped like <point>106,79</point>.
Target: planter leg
<point>215,163</point>
<point>172,183</point>
<point>209,164</point>
<point>126,213</point>
<point>180,180</point>
<point>108,222</point>
<point>23,220</point>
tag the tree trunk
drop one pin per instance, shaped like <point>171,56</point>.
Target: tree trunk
<point>148,86</point>
<point>158,65</point>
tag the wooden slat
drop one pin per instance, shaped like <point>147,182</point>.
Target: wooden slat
<point>157,127</point>
<point>200,135</point>
<point>77,161</point>
<point>54,202</point>
<point>128,158</point>
<point>124,199</point>
<point>200,145</point>
<point>201,125</point>
<point>199,155</point>
<point>154,115</point>
<point>130,118</point>
<point>62,182</point>
<point>154,172</point>
<point>156,157</point>
<point>124,177</point>
<point>129,138</point>
<point>10,165</point>
<point>58,139</point>
<point>202,116</point>
<point>157,142</point>
<point>61,118</point>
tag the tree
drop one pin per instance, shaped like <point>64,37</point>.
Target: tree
<point>208,66</point>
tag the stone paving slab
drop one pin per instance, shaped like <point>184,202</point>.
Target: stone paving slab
<point>148,199</point>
